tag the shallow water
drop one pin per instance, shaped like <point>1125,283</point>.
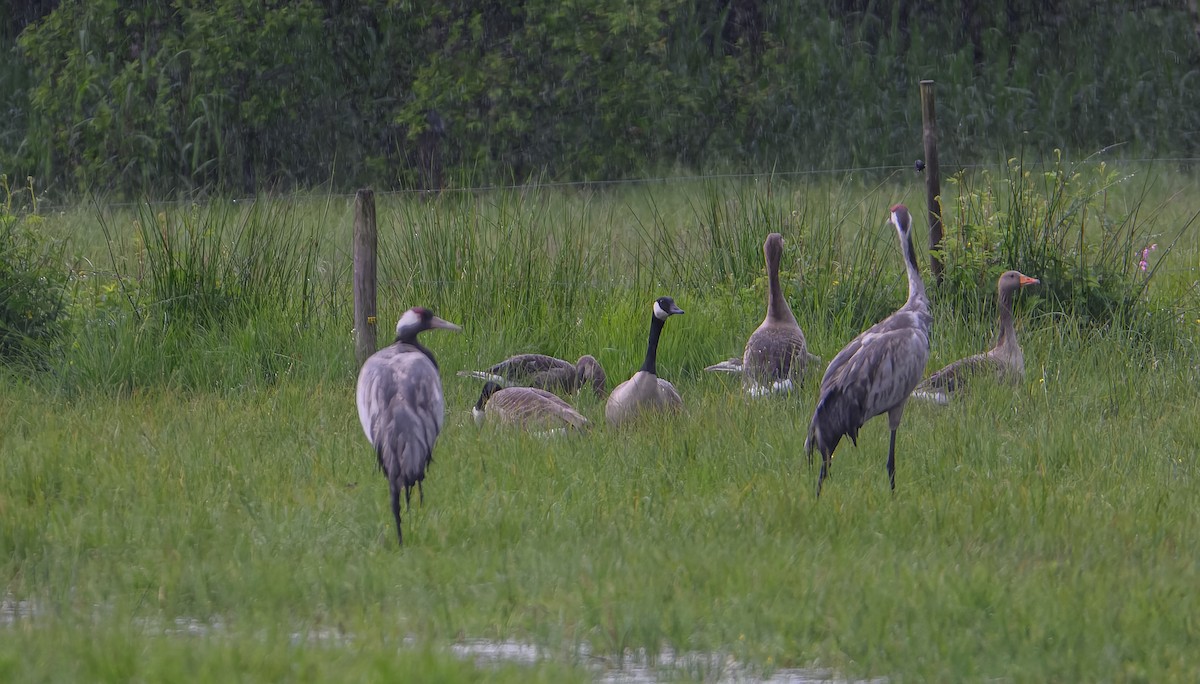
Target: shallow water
<point>634,667</point>
<point>640,668</point>
<point>13,611</point>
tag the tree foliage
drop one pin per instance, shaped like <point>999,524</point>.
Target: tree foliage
<point>234,95</point>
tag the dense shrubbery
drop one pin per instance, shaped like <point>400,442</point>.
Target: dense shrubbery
<point>241,96</point>
<point>1095,256</point>
<point>32,284</point>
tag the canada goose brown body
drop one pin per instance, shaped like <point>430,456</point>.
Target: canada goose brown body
<point>546,372</point>
<point>776,353</point>
<point>1004,361</point>
<point>401,406</point>
<point>645,391</point>
<point>876,372</point>
<point>526,407</point>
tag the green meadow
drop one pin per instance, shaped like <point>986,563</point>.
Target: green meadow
<point>187,494</point>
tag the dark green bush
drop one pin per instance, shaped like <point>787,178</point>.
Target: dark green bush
<point>1095,257</point>
<point>231,95</point>
<point>32,285</point>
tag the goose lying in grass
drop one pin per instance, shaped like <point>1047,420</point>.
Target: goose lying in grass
<point>527,407</point>
<point>645,391</point>
<point>1005,361</point>
<point>776,354</point>
<point>546,372</point>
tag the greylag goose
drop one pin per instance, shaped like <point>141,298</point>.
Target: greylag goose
<point>1005,361</point>
<point>546,372</point>
<point>776,354</point>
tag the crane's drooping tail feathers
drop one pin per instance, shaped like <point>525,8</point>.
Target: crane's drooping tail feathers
<point>833,418</point>
<point>404,463</point>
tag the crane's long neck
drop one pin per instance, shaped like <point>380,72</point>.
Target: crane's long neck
<point>411,340</point>
<point>650,365</point>
<point>916,286</point>
<point>1006,335</point>
<point>777,306</point>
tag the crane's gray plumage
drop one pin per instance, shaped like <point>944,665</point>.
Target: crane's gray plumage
<point>877,371</point>
<point>527,407</point>
<point>546,372</point>
<point>645,391</point>
<point>1005,361</point>
<point>401,407</point>
<point>776,354</point>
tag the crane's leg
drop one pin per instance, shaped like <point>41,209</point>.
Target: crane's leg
<point>826,460</point>
<point>395,492</point>
<point>891,464</point>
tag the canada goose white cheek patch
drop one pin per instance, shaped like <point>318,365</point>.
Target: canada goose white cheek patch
<point>659,313</point>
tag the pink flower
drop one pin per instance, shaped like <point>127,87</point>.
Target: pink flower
<point>1146,255</point>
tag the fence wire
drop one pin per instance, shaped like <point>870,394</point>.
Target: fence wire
<point>618,182</point>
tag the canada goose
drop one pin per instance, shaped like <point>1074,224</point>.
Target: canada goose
<point>877,371</point>
<point>1005,361</point>
<point>645,391</point>
<point>527,407</point>
<point>401,407</point>
<point>776,355</point>
<point>546,372</point>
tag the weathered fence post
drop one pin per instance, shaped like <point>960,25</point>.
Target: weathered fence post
<point>365,242</point>
<point>933,183</point>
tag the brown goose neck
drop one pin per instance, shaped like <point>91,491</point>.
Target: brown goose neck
<point>1006,334</point>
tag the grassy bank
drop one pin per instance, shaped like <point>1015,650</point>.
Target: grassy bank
<point>197,501</point>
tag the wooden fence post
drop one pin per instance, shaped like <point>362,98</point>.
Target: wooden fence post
<point>365,243</point>
<point>933,183</point>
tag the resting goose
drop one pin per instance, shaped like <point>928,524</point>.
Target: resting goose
<point>776,354</point>
<point>401,407</point>
<point>546,372</point>
<point>1005,361</point>
<point>526,407</point>
<point>645,391</point>
<point>877,371</point>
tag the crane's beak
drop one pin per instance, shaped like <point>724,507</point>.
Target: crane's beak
<point>1026,280</point>
<point>443,324</point>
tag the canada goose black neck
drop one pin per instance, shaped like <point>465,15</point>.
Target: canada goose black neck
<point>650,365</point>
<point>777,307</point>
<point>489,388</point>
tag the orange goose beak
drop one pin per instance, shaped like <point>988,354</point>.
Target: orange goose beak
<point>1026,280</point>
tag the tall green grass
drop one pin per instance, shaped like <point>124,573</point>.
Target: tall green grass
<point>169,507</point>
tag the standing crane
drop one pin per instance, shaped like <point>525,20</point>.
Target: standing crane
<point>401,407</point>
<point>877,371</point>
